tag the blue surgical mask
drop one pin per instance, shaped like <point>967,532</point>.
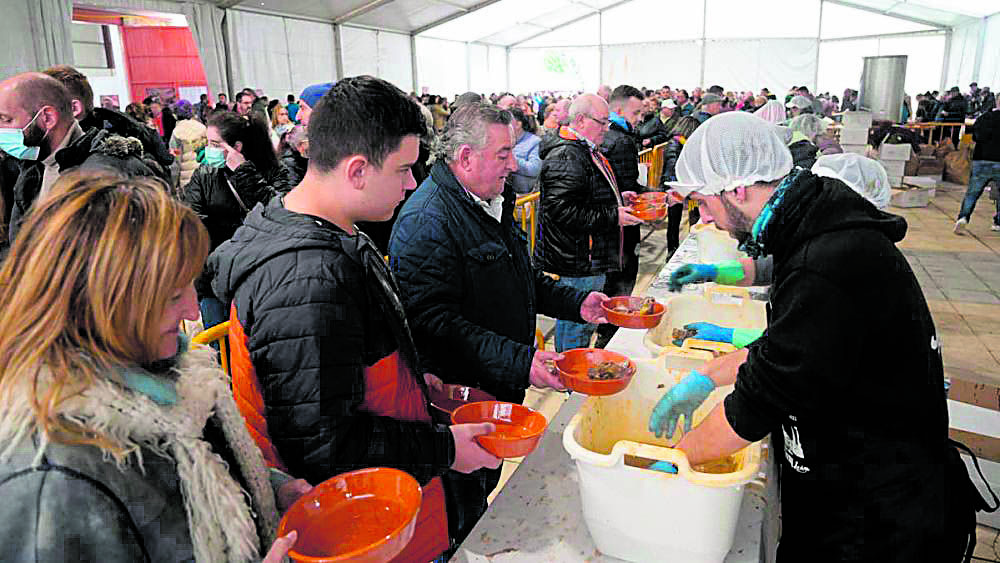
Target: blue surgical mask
<point>12,142</point>
<point>214,157</point>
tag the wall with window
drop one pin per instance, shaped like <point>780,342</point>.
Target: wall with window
<point>98,53</point>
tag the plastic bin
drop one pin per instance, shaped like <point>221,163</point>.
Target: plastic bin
<point>637,514</point>
<point>854,136</point>
<point>857,119</point>
<point>721,305</point>
<point>715,245</point>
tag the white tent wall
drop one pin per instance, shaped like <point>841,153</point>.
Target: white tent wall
<point>962,57</point>
<point>37,34</point>
<point>989,69</point>
<point>842,61</point>
<point>442,66</point>
<point>554,68</point>
<point>378,53</point>
<point>752,64</point>
<point>672,63</point>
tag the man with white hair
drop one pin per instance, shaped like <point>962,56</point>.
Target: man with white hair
<point>847,379</point>
<point>582,214</point>
<point>604,91</point>
<point>468,287</point>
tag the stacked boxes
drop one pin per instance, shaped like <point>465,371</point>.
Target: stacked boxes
<point>854,134</point>
<point>893,159</point>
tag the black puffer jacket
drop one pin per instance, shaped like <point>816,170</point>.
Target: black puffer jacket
<point>619,147</point>
<point>120,124</point>
<point>670,155</point>
<point>313,304</point>
<point>656,130</point>
<point>296,165</point>
<point>578,230</point>
<point>86,153</point>
<point>469,289</point>
<point>865,471</point>
<point>210,195</point>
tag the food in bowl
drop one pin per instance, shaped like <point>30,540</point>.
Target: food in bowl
<point>643,307</point>
<point>609,370</point>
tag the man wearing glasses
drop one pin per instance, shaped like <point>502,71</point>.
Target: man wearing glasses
<point>581,210</point>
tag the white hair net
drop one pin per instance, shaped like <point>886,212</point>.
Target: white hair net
<point>861,174</point>
<point>809,125</point>
<point>772,112</point>
<point>730,150</point>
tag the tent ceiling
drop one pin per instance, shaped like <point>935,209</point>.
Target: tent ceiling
<point>508,22</point>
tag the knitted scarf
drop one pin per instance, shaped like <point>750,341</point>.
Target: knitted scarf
<point>220,521</point>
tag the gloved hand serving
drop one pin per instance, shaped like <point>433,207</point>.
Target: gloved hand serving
<point>738,337</point>
<point>683,398</point>
<point>726,273</point>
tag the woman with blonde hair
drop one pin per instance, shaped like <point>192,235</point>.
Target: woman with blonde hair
<point>118,440</point>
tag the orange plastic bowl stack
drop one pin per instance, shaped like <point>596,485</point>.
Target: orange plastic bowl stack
<point>445,401</point>
<point>364,516</point>
<point>573,371</point>
<point>518,428</point>
<point>632,320</point>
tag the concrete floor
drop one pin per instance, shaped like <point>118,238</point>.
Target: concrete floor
<point>960,277</point>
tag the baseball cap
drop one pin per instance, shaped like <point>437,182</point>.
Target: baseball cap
<point>312,94</point>
<point>668,104</point>
<point>711,98</point>
<point>800,102</point>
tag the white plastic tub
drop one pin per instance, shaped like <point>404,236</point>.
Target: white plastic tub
<point>722,305</point>
<point>715,245</point>
<point>637,514</point>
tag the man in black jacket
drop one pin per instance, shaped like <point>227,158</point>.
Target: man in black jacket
<point>468,285</point>
<point>619,146</point>
<point>51,142</point>
<point>82,96</point>
<point>318,314</point>
<point>847,379</point>
<point>581,210</point>
<point>985,167</point>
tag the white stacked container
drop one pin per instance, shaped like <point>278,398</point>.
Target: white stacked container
<point>637,514</point>
<point>854,133</point>
<point>893,159</point>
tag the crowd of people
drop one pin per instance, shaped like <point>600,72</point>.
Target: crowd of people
<point>351,294</point>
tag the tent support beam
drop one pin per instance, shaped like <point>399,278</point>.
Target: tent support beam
<point>930,32</point>
<point>456,15</point>
<point>947,60</point>
<point>571,22</point>
<point>413,64</point>
<point>819,35</point>
<point>338,48</point>
<point>362,10</point>
<point>847,4</point>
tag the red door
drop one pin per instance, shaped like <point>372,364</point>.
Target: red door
<point>161,60</point>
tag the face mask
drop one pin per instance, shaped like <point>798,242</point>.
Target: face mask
<point>12,142</point>
<point>214,157</point>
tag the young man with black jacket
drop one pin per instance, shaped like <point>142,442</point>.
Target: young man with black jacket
<point>847,379</point>
<point>619,147</point>
<point>985,167</point>
<point>324,367</point>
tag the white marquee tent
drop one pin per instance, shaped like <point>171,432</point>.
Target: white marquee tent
<point>450,46</point>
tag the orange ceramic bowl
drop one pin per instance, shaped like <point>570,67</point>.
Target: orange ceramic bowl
<point>445,401</point>
<point>650,211</point>
<point>364,516</point>
<point>653,197</point>
<point>632,320</point>
<point>573,371</point>
<point>518,428</point>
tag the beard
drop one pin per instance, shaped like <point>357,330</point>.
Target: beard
<point>741,224</point>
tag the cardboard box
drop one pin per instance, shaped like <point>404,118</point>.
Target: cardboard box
<point>894,168</point>
<point>851,136</point>
<point>894,152</point>
<point>914,197</point>
<point>856,149</point>
<point>927,150</point>
<point>928,183</point>
<point>857,120</point>
<point>977,425</point>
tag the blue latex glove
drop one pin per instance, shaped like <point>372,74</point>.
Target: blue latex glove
<point>682,398</point>
<point>708,331</point>
<point>692,273</point>
<point>664,466</point>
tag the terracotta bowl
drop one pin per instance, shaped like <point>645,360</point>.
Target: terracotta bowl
<point>632,320</point>
<point>650,211</point>
<point>518,428</point>
<point>364,516</point>
<point>445,401</point>
<point>653,197</point>
<point>573,371</point>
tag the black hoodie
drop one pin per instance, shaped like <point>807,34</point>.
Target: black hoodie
<point>848,377</point>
